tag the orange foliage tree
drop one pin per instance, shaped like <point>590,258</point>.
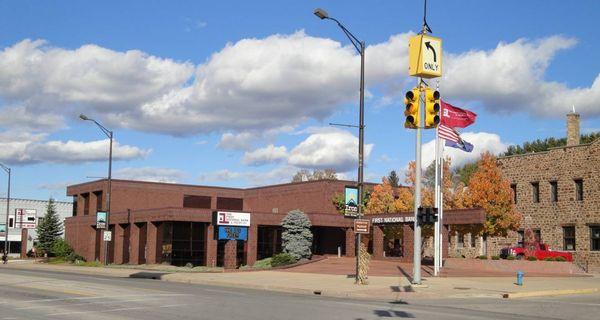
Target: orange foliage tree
<point>490,191</point>
<point>381,199</point>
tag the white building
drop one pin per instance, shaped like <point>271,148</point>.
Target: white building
<point>26,214</point>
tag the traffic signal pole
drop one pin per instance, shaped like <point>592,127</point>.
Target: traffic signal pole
<point>417,203</point>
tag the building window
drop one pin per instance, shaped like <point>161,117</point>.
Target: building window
<point>554,191</point>
<point>460,242</point>
<point>569,238</point>
<point>536,191</point>
<point>521,238</point>
<point>11,222</point>
<point>86,204</point>
<point>595,238</point>
<point>473,240</point>
<point>579,189</point>
<point>74,206</point>
<point>201,202</point>
<point>514,190</point>
<point>230,203</point>
<point>537,235</point>
<point>98,195</point>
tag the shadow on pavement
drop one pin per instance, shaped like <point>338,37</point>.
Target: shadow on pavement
<point>148,275</point>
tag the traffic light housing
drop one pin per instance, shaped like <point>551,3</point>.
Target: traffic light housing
<point>432,108</point>
<point>427,215</point>
<point>412,100</point>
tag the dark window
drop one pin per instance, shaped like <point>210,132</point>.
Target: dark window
<point>595,238</point>
<point>202,202</point>
<point>74,206</point>
<point>554,191</point>
<point>536,191</point>
<point>514,190</point>
<point>460,242</point>
<point>537,235</point>
<point>98,195</point>
<point>579,189</point>
<point>521,238</point>
<point>473,239</point>
<point>86,204</point>
<point>11,222</point>
<point>230,203</point>
<point>569,238</point>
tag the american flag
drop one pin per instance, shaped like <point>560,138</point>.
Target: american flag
<point>448,133</point>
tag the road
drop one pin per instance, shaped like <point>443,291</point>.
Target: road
<point>28,294</point>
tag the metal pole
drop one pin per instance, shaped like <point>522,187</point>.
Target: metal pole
<point>361,144</point>
<point>417,204</point>
<point>441,208</point>
<point>7,212</point>
<point>108,196</point>
<point>436,233</point>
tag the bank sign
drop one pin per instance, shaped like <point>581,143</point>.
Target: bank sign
<point>233,233</point>
<point>236,219</point>
<point>390,220</point>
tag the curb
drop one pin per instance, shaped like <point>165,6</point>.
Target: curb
<point>548,293</point>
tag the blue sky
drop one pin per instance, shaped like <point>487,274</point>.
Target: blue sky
<point>239,93</point>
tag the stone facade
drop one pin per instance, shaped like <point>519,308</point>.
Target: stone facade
<point>558,169</point>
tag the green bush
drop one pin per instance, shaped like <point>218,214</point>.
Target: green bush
<point>560,259</point>
<point>548,259</point>
<point>495,258</point>
<point>74,258</point>
<point>482,257</point>
<point>532,258</point>
<point>60,248</point>
<point>282,259</point>
<point>263,264</point>
<point>511,257</point>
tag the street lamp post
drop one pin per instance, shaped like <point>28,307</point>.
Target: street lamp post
<point>109,134</point>
<point>5,254</point>
<point>360,47</point>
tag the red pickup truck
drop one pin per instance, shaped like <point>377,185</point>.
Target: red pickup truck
<point>539,250</point>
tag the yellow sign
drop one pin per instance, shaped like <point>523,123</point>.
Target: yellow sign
<point>425,56</point>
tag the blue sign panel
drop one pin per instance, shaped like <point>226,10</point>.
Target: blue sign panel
<point>233,233</point>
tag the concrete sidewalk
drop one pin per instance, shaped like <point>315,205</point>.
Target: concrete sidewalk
<point>379,288</point>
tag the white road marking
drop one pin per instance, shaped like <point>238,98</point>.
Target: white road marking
<point>105,297</point>
<point>87,303</point>
<point>174,305</point>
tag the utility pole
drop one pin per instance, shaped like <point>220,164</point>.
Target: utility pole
<point>5,254</point>
<point>417,203</point>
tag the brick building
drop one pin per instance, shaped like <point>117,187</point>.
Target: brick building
<point>558,193</point>
<point>173,223</point>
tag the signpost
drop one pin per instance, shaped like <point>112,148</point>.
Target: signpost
<point>107,235</point>
<point>362,226</point>
<point>351,201</point>
<point>101,220</point>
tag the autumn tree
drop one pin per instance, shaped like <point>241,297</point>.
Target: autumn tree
<point>381,199</point>
<point>490,191</point>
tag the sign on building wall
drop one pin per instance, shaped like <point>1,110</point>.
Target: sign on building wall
<point>238,219</point>
<point>396,219</point>
<point>25,218</point>
<point>100,220</point>
<point>2,228</point>
<point>351,201</point>
<point>233,233</point>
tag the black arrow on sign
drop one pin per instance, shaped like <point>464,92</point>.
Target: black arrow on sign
<point>428,45</point>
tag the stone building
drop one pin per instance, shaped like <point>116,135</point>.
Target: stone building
<point>558,193</point>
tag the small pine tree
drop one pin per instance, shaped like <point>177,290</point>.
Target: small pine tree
<point>49,229</point>
<point>297,237</point>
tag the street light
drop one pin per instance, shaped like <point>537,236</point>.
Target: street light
<point>109,134</point>
<point>5,254</point>
<point>360,47</point>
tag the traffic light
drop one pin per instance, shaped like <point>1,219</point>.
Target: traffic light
<point>427,215</point>
<point>411,100</point>
<point>432,108</point>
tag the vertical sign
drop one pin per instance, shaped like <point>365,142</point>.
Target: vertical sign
<point>351,201</point>
<point>100,220</point>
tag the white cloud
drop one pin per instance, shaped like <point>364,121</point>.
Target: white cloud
<point>328,149</point>
<point>481,141</point>
<point>27,149</point>
<point>240,141</point>
<point>268,154</point>
<point>150,174</point>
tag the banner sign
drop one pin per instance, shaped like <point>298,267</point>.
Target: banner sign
<point>396,219</point>
<point>351,201</point>
<point>25,218</point>
<point>239,219</point>
<point>233,233</point>
<point>362,226</point>
<point>101,220</point>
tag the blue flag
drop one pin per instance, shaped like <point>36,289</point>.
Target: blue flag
<point>461,144</point>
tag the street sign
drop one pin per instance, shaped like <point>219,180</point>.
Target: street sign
<point>233,233</point>
<point>107,235</point>
<point>25,218</point>
<point>239,219</point>
<point>362,226</point>
<point>351,201</point>
<point>101,220</point>
<point>425,56</point>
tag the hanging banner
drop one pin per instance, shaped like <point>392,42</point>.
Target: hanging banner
<point>233,233</point>
<point>351,201</point>
<point>101,220</point>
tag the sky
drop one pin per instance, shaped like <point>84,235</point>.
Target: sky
<point>240,93</point>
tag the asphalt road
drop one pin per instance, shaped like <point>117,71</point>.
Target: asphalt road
<point>50,295</point>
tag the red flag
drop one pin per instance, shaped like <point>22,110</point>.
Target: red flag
<point>456,117</point>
